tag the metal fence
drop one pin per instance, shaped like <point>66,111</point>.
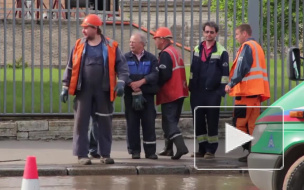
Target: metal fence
<point>36,37</point>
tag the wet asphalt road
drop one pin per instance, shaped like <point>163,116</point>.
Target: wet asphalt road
<point>137,182</point>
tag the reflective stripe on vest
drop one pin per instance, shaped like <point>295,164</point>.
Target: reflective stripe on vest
<point>196,51</point>
<point>257,68</point>
<point>255,81</point>
<point>111,61</point>
<point>109,56</point>
<point>76,60</point>
<point>214,55</point>
<point>217,55</point>
<point>177,66</point>
<point>224,79</point>
<point>176,86</point>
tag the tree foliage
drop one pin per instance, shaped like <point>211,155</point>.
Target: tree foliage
<point>279,13</point>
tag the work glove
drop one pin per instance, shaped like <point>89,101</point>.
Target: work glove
<point>64,95</point>
<point>138,101</point>
<point>119,88</point>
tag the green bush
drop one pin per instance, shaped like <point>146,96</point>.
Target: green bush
<point>18,64</point>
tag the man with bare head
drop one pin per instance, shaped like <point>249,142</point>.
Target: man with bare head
<point>209,74</point>
<point>139,97</point>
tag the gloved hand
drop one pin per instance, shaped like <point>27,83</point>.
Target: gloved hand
<point>119,88</point>
<point>138,101</point>
<point>64,94</point>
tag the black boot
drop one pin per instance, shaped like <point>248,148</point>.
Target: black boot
<point>168,149</point>
<point>181,148</point>
<point>246,146</point>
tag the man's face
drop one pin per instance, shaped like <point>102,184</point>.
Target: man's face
<point>210,34</point>
<point>240,36</point>
<point>159,43</point>
<point>136,45</point>
<point>89,32</point>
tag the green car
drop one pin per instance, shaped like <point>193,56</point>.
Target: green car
<point>277,151</point>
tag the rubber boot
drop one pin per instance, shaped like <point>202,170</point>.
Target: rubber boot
<point>168,149</point>
<point>181,148</point>
<point>246,146</point>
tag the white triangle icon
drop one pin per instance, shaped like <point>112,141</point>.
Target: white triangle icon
<point>235,138</point>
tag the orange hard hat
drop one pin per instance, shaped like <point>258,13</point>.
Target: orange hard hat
<point>163,32</point>
<point>91,20</point>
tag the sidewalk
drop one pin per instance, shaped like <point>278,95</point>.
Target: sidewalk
<point>55,158</point>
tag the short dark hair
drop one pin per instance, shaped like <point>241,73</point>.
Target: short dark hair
<point>245,27</point>
<point>211,24</point>
<point>99,31</point>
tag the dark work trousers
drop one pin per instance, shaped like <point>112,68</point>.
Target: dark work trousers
<point>207,135</point>
<point>170,117</point>
<point>93,132</point>
<point>91,95</point>
<point>145,118</point>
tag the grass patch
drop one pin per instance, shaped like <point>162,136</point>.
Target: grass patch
<point>42,96</point>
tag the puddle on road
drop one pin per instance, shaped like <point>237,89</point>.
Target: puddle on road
<point>137,182</point>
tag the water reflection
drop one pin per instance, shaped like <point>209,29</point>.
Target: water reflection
<point>160,183</point>
<point>189,183</point>
<point>137,182</point>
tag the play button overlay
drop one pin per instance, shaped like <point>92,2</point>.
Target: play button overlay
<point>235,138</point>
<point>267,137</point>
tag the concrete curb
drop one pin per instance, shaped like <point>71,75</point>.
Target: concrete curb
<point>117,170</point>
<point>42,171</point>
<point>100,170</point>
<point>162,170</point>
<point>10,172</point>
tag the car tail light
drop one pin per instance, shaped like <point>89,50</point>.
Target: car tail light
<point>296,114</point>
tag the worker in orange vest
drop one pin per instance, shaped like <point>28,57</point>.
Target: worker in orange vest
<point>91,75</point>
<point>173,90</point>
<point>248,82</point>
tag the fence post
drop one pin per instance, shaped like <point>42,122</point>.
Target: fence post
<point>253,17</point>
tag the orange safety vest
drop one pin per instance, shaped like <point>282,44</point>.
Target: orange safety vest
<point>77,56</point>
<point>255,81</point>
<point>176,87</point>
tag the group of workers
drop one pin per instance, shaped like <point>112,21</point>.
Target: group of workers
<point>97,72</point>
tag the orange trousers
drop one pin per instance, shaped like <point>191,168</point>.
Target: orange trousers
<point>244,118</point>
